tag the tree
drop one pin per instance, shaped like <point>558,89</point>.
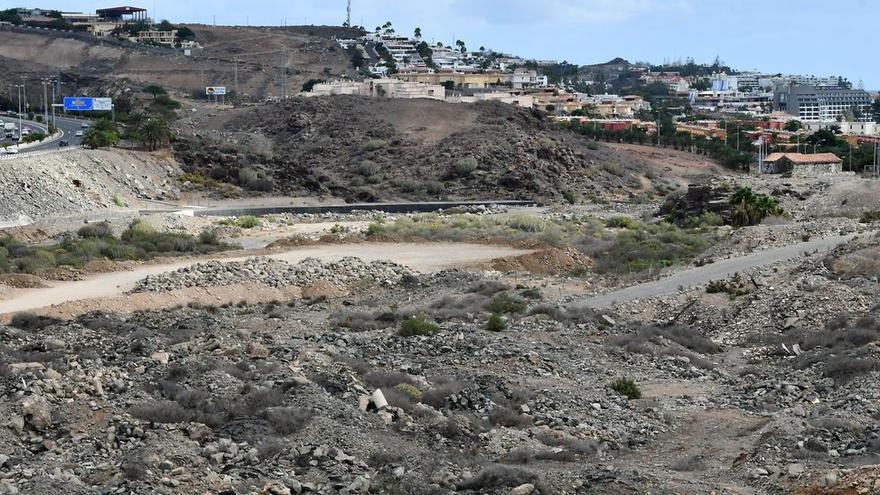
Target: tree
<point>155,90</point>
<point>165,26</point>
<point>461,46</point>
<point>418,33</point>
<point>185,34</point>
<point>101,134</point>
<point>793,125</point>
<point>751,209</point>
<point>875,109</point>
<point>154,132</point>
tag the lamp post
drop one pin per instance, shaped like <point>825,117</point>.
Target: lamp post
<point>816,144</point>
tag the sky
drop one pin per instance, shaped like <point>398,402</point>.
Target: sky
<point>818,37</point>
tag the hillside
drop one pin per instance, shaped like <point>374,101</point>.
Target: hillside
<point>369,149</point>
<point>91,65</point>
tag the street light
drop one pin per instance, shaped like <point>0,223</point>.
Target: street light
<point>816,144</point>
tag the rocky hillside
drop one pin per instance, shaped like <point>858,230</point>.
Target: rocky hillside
<point>368,149</point>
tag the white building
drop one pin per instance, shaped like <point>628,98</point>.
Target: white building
<point>380,88</point>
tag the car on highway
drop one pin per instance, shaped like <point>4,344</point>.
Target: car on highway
<point>11,150</point>
<point>84,125</point>
<point>79,133</point>
<point>63,143</point>
<point>25,132</point>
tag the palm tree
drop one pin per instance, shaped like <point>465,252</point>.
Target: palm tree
<point>154,132</point>
<point>418,33</point>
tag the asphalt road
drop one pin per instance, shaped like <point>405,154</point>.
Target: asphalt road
<point>69,127</point>
<point>698,276</point>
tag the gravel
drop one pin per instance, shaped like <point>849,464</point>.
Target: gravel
<point>276,273</point>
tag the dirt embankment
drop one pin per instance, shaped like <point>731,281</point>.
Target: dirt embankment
<point>366,149</point>
<point>79,181</point>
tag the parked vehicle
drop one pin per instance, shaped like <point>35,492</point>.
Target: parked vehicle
<point>84,125</point>
<point>79,133</point>
<point>9,129</point>
<point>11,150</point>
<point>63,143</point>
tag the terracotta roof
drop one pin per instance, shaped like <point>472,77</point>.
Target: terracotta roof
<point>802,159</point>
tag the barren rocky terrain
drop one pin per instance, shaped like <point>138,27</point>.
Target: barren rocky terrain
<point>363,149</point>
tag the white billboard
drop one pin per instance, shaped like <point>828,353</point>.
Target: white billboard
<point>105,104</point>
<point>215,90</point>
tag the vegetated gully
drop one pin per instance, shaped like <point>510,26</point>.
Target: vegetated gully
<point>425,257</point>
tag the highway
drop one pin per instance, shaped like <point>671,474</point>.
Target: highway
<point>68,127</point>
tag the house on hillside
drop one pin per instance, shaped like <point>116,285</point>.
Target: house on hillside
<point>801,165</point>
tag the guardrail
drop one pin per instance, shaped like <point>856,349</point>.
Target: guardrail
<point>28,154</point>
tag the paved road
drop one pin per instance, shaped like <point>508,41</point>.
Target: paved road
<point>427,257</point>
<point>69,127</point>
<point>698,276</point>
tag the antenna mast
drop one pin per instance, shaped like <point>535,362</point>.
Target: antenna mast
<point>348,14</point>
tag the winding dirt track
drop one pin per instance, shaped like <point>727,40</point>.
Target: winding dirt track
<point>426,257</point>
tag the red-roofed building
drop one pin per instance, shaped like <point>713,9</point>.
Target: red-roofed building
<point>801,165</point>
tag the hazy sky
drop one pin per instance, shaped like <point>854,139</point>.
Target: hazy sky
<point>821,37</point>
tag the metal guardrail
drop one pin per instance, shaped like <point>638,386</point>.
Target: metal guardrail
<point>28,154</point>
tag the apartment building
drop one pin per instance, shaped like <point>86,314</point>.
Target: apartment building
<point>818,104</point>
<point>159,37</point>
<point>614,106</point>
<point>380,88</point>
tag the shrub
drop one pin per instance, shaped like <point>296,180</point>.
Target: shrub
<point>613,168</point>
<point>627,388</point>
<point>464,167</point>
<point>375,144</point>
<point>415,326</point>
<point>750,208</point>
<point>247,222</point>
<point>497,476</point>
<point>526,223</point>
<point>95,231</point>
<point>870,216</point>
<point>410,390</point>
<point>209,236</point>
<point>495,323</point>
<point>621,223</point>
<point>505,304</point>
<point>569,196</point>
<point>367,168</point>
<point>287,420</point>
<point>161,412</point>
<point>31,322</point>
<point>504,416</point>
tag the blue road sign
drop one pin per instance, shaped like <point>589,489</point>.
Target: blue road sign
<point>74,103</point>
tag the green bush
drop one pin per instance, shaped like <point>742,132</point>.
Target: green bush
<point>495,323</point>
<point>627,388</point>
<point>621,223</point>
<point>526,223</point>
<point>504,303</point>
<point>464,167</point>
<point>569,196</point>
<point>613,168</point>
<point>415,326</point>
<point>247,222</point>
<point>367,168</point>
<point>870,216</point>
<point>750,208</point>
<point>95,231</point>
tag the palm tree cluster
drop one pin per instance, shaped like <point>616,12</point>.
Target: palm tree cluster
<point>750,208</point>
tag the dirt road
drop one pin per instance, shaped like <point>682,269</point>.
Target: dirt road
<point>426,257</point>
<point>702,275</point>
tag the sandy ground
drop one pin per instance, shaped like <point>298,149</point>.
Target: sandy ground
<point>421,257</point>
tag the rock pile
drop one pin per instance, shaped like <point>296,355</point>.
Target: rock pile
<point>275,273</point>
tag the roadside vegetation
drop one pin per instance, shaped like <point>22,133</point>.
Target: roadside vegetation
<point>97,241</point>
<point>618,245</point>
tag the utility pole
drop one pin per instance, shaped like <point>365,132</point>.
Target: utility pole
<point>236,78</point>
<point>348,15</point>
<point>53,104</point>
<point>45,101</point>
<point>24,91</point>
<point>283,74</point>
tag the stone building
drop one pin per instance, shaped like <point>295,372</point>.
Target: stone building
<point>801,165</point>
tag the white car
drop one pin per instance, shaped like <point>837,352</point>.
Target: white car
<point>26,132</point>
<point>79,133</point>
<point>11,150</point>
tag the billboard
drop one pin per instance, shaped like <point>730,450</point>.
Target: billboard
<point>85,103</point>
<point>215,90</point>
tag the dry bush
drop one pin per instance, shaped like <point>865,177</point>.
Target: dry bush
<point>552,438</point>
<point>31,322</point>
<point>650,340</point>
<point>287,420</point>
<point>499,476</point>
<point>565,314</point>
<point>357,321</point>
<point>436,396</point>
<point>161,412</point>
<point>503,416</point>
